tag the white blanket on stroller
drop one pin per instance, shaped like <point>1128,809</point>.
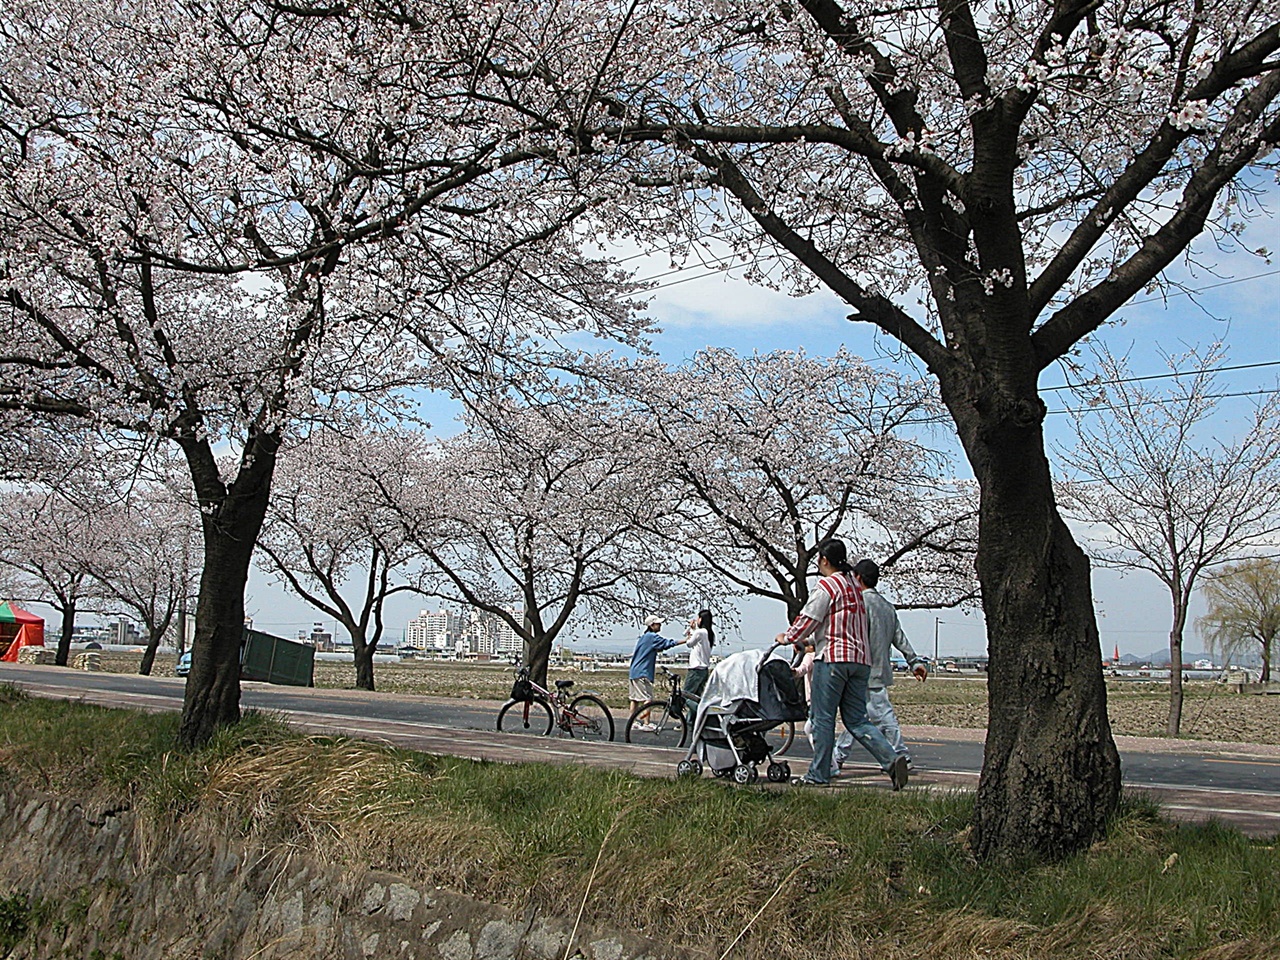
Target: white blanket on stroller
<point>734,679</point>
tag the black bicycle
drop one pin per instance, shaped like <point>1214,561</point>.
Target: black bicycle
<point>662,723</point>
<point>535,709</point>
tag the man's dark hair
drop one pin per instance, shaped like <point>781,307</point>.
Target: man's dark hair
<point>867,572</point>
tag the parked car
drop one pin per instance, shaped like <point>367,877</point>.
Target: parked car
<point>184,665</point>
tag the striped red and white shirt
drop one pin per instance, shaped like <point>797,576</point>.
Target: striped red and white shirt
<point>836,617</point>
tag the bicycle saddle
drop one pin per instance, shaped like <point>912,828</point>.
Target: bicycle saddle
<point>564,684</point>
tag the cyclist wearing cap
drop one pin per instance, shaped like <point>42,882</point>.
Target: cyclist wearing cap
<point>644,663</point>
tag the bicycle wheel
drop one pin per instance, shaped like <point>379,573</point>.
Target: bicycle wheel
<point>525,716</point>
<point>589,719</point>
<point>781,737</point>
<point>664,728</point>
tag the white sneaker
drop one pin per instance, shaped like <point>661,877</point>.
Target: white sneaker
<point>645,727</point>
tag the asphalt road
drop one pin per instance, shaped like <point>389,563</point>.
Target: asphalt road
<point>1192,780</point>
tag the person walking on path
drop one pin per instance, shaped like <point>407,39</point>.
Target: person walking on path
<point>644,663</point>
<point>837,620</point>
<point>884,631</point>
<point>700,639</point>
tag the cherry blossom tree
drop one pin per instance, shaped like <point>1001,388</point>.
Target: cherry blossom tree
<point>330,535</point>
<point>985,183</point>
<point>1161,493</point>
<point>776,453</point>
<point>1243,615</point>
<point>50,541</point>
<point>538,515</point>
<point>147,560</point>
<point>221,223</point>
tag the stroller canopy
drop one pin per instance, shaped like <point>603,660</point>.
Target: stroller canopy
<point>18,629</point>
<point>762,678</point>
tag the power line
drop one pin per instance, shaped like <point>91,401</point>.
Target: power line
<point>1212,286</point>
<point>1154,401</point>
<point>1162,401</point>
<point>727,265</point>
<point>1163,376</point>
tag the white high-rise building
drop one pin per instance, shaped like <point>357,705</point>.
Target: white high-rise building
<point>433,630</point>
<point>489,635</point>
<point>505,639</point>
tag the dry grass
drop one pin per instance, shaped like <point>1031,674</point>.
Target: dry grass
<point>856,874</point>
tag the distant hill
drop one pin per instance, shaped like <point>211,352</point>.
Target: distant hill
<point>1160,658</point>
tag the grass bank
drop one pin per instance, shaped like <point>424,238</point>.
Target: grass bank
<point>854,874</point>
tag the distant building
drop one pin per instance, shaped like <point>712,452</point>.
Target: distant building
<point>319,637</point>
<point>435,630</point>
<point>125,633</point>
<point>92,633</point>
<point>487,635</point>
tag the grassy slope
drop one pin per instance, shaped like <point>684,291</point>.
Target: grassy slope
<point>855,874</point>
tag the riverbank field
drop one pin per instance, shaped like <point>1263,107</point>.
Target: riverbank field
<point>1137,708</point>
<point>729,872</point>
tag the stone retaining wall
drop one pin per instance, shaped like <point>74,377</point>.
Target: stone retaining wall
<point>89,894</point>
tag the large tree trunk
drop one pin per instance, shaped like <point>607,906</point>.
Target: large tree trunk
<point>1051,773</point>
<point>537,657</point>
<point>213,687</point>
<point>364,652</point>
<point>231,518</point>
<point>68,627</point>
<point>149,653</point>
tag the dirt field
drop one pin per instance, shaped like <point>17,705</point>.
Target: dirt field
<point>1140,709</point>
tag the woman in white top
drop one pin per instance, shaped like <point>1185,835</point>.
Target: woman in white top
<point>701,637</point>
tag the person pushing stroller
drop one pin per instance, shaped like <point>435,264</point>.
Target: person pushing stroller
<point>836,618</point>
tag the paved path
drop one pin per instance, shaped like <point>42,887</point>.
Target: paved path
<point>1193,780</point>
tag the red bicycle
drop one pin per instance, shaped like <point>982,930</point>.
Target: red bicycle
<point>537,710</point>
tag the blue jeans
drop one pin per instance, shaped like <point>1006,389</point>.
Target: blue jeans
<point>880,713</point>
<point>843,686</point>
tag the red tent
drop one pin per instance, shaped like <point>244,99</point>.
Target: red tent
<point>18,629</point>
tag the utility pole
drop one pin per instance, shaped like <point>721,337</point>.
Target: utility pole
<point>936,623</point>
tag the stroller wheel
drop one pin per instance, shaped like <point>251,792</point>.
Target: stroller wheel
<point>742,774</point>
<point>778,772</point>
<point>755,773</point>
<point>689,768</point>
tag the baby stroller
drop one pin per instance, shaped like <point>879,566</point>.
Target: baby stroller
<point>747,695</point>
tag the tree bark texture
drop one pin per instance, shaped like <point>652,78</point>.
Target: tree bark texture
<point>363,652</point>
<point>64,636</point>
<point>231,517</point>
<point>1051,773</point>
<point>537,657</point>
<point>1174,726</point>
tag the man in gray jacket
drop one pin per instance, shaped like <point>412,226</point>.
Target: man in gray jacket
<point>885,631</point>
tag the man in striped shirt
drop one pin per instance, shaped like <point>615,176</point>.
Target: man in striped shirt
<point>836,618</point>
